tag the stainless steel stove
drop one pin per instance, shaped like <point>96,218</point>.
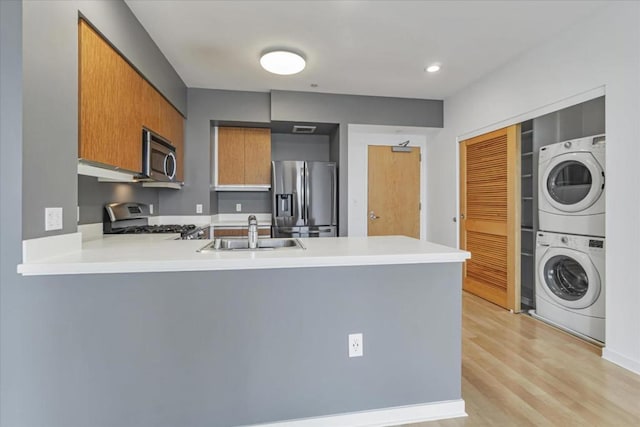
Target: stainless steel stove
<point>133,218</point>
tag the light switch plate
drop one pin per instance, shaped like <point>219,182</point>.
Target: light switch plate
<point>199,208</point>
<point>151,209</point>
<point>238,207</point>
<point>52,219</point>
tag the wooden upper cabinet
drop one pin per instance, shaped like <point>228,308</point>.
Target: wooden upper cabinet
<point>257,157</point>
<point>109,90</point>
<point>150,106</point>
<point>230,156</point>
<point>116,102</point>
<point>244,156</point>
<point>173,125</point>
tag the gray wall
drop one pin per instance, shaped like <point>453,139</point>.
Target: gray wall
<point>251,201</point>
<point>577,121</point>
<point>230,348</point>
<point>50,73</point>
<point>184,348</point>
<point>11,290</point>
<point>205,105</point>
<point>283,147</point>
<point>300,147</point>
<point>345,109</point>
<point>93,195</point>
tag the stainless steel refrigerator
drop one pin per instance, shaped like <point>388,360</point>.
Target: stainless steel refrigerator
<point>304,199</point>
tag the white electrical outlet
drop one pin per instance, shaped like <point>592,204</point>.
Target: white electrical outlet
<point>238,207</point>
<point>52,219</point>
<point>151,209</point>
<point>198,208</point>
<point>78,213</point>
<point>355,345</point>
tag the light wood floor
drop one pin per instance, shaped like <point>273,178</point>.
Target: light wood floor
<point>517,371</point>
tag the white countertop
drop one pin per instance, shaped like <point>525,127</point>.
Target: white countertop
<point>158,253</point>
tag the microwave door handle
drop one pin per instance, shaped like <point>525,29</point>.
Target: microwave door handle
<point>147,151</point>
<point>173,159</point>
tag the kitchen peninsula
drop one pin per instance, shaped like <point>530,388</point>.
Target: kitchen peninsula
<point>158,253</point>
<point>249,337</point>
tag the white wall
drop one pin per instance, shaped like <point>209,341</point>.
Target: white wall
<point>604,50</point>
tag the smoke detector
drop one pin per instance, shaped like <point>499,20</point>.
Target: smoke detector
<point>303,129</point>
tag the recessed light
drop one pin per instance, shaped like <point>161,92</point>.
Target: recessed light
<point>432,68</point>
<point>282,62</point>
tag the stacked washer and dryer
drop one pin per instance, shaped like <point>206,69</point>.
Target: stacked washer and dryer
<point>570,246</point>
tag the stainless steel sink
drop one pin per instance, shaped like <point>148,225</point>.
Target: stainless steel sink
<point>242,244</point>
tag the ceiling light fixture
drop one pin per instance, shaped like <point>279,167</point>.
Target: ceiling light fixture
<point>433,68</point>
<point>282,62</point>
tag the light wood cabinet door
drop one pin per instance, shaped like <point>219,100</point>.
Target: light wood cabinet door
<point>239,232</point>
<point>150,107</point>
<point>244,156</point>
<point>115,103</point>
<point>174,128</point>
<point>178,134</point>
<point>257,157</point>
<point>109,90</point>
<point>230,156</point>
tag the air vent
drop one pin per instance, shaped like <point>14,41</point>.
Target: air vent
<point>303,129</point>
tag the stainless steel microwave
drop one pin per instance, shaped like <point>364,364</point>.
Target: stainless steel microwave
<point>158,158</point>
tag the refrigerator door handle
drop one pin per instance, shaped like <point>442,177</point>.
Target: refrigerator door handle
<point>334,191</point>
<point>305,179</point>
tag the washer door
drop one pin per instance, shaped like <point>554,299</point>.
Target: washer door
<point>569,278</point>
<point>572,182</point>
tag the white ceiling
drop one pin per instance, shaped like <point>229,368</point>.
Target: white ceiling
<point>354,47</point>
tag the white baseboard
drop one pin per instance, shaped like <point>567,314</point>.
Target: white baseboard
<point>45,247</point>
<point>381,417</point>
<point>620,360</point>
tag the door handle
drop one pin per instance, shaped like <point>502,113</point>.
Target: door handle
<point>372,215</point>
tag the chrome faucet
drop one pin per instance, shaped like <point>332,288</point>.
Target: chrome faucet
<point>253,232</point>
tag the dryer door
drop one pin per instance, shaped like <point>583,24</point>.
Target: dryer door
<point>572,182</point>
<point>569,278</point>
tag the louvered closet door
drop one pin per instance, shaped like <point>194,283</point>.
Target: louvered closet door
<point>490,216</point>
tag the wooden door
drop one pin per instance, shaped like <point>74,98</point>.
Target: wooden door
<point>230,156</point>
<point>257,156</point>
<point>490,216</point>
<point>393,192</point>
<point>109,107</point>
